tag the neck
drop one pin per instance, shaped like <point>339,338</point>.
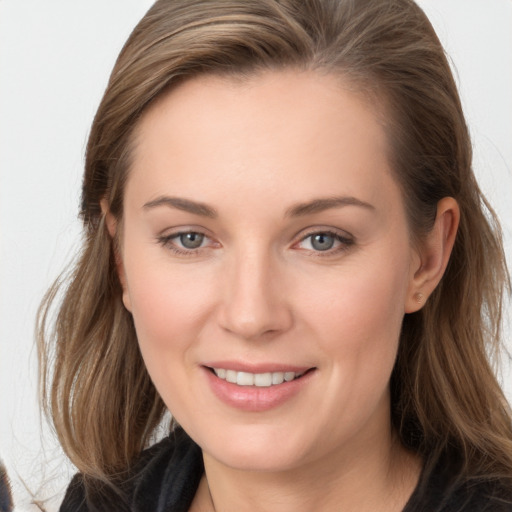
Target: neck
<point>359,479</point>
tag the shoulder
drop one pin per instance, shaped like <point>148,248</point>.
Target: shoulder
<point>479,496</point>
<point>442,489</point>
<point>5,491</point>
<point>164,477</point>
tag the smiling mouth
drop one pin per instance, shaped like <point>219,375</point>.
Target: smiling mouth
<point>261,380</point>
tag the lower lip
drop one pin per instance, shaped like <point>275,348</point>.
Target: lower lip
<point>252,398</point>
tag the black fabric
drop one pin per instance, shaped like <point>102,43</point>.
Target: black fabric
<point>166,477</point>
<point>441,489</point>
<point>5,491</point>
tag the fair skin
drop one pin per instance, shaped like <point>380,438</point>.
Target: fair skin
<point>264,233</point>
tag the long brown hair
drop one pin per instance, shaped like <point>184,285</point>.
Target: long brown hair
<point>444,392</point>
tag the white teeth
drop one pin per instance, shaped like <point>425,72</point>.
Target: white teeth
<point>262,380</point>
<point>230,376</point>
<point>245,379</point>
<point>277,378</point>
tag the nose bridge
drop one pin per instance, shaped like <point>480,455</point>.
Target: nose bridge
<point>254,303</point>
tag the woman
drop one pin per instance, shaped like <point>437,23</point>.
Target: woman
<point>287,249</point>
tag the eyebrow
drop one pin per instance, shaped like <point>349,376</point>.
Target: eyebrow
<point>325,203</point>
<point>180,203</point>
<point>298,210</point>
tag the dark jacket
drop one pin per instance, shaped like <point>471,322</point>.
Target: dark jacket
<point>167,476</point>
<point>5,491</point>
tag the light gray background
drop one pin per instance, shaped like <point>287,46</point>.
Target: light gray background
<point>55,58</point>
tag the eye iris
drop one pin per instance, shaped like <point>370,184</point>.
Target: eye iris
<point>322,242</point>
<point>191,240</point>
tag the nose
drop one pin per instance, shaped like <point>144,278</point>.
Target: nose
<point>255,304</point>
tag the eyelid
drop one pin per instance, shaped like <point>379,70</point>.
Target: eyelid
<point>184,228</point>
<point>165,240</point>
<point>345,239</point>
<point>314,230</point>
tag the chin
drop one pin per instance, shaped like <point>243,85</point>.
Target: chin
<point>254,448</point>
<point>265,460</point>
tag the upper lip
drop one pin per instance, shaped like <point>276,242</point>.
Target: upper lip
<point>269,367</point>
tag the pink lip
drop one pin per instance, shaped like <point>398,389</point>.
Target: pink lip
<point>256,367</point>
<point>252,398</point>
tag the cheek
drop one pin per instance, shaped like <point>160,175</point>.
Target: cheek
<point>356,323</point>
<point>169,305</point>
<point>169,313</point>
<point>357,319</point>
<point>360,299</point>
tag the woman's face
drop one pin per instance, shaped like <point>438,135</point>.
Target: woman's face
<point>267,263</point>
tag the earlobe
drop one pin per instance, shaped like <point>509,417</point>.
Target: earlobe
<point>111,225</point>
<point>434,255</point>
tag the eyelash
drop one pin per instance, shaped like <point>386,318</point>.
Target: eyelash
<point>167,242</point>
<point>345,242</point>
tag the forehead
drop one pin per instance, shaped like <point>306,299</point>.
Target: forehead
<point>299,92</point>
<point>283,130</point>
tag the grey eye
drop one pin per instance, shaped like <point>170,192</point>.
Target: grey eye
<point>322,242</point>
<point>191,240</point>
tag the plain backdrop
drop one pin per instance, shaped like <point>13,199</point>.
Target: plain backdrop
<point>55,58</point>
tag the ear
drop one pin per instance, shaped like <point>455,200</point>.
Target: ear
<point>111,224</point>
<point>434,254</point>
